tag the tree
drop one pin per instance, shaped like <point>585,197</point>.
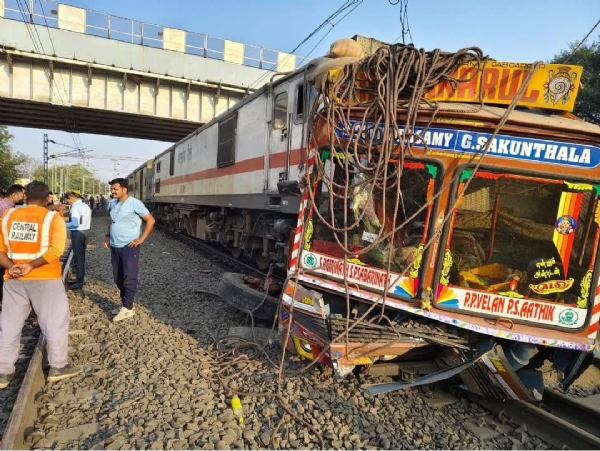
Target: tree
<point>28,167</point>
<point>587,105</point>
<point>9,162</point>
<point>70,177</point>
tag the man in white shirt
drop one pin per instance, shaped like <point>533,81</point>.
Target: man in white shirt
<point>79,225</point>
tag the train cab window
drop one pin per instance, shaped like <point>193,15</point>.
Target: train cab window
<point>158,167</point>
<point>226,141</point>
<point>172,162</point>
<point>300,100</point>
<point>280,110</point>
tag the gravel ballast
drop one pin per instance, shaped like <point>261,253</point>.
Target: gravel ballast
<point>150,382</point>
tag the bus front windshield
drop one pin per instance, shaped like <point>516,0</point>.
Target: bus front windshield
<point>383,229</point>
<point>525,237</point>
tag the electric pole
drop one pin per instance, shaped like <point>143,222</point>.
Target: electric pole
<point>46,158</point>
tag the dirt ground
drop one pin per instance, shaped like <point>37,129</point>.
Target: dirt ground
<point>589,380</point>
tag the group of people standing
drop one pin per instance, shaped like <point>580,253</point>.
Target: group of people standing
<point>32,240</point>
<point>96,202</point>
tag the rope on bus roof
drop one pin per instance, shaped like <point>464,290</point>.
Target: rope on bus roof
<point>398,77</point>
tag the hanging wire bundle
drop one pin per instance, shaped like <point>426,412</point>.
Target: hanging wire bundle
<point>371,109</point>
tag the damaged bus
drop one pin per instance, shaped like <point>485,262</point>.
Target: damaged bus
<point>448,223</point>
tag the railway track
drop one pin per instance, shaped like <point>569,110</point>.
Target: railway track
<point>28,410</point>
<point>212,251</point>
<point>559,420</point>
<point>108,398</point>
<point>24,410</point>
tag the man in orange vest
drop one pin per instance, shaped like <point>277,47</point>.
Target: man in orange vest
<point>33,239</point>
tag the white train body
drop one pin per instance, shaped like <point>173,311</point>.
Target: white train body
<point>141,182</point>
<point>223,182</point>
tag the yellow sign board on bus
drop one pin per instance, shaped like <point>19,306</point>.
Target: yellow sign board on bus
<point>552,86</point>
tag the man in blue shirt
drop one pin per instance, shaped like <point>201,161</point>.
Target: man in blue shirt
<point>124,238</point>
<point>111,202</point>
<point>79,225</point>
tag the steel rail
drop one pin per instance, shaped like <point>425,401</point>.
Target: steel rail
<point>196,242</point>
<point>24,412</point>
<point>573,410</point>
<point>558,420</point>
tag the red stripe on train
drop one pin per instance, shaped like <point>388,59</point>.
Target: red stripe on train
<point>276,161</point>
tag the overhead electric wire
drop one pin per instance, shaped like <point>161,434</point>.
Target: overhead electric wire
<point>68,113</point>
<point>67,146</point>
<point>328,21</point>
<point>39,48</point>
<point>404,21</point>
<point>332,27</point>
<point>403,16</point>
<point>582,41</point>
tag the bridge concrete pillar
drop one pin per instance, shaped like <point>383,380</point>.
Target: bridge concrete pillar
<point>233,52</point>
<point>1,8</point>
<point>174,39</point>
<point>71,18</point>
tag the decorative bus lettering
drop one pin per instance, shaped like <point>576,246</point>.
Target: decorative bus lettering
<point>498,85</point>
<point>520,308</point>
<point>361,274</point>
<point>504,146</point>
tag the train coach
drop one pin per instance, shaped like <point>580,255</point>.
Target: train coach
<point>235,180</point>
<point>140,182</point>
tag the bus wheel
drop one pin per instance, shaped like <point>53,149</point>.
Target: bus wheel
<point>245,298</point>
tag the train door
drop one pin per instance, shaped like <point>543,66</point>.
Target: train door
<point>141,190</point>
<point>279,143</point>
<point>303,101</point>
<point>149,181</point>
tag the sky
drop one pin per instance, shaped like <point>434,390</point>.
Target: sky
<point>509,30</point>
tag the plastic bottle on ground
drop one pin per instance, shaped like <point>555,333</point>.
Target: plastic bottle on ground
<point>238,410</point>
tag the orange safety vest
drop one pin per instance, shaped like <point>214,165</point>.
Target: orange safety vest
<point>26,232</point>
